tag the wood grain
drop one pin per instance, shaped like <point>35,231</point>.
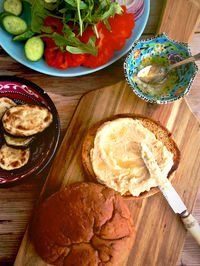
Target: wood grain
<point>158,228</point>
<point>17,203</point>
<point>190,254</point>
<point>180,19</point>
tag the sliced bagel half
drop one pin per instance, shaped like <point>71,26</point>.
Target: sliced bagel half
<point>160,132</point>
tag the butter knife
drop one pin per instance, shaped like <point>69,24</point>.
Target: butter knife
<point>170,194</point>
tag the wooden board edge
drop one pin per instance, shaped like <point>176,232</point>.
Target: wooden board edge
<point>166,8</point>
<point>194,115</point>
<point>20,251</point>
<point>161,17</point>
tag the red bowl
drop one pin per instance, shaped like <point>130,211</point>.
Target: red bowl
<point>42,151</point>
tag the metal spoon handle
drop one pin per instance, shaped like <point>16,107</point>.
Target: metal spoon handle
<point>185,61</point>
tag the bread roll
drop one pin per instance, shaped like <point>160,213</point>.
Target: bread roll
<point>83,224</point>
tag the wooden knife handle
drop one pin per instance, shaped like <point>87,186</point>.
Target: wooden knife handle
<point>192,225</point>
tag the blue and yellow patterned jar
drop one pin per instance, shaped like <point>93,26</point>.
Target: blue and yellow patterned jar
<point>164,51</point>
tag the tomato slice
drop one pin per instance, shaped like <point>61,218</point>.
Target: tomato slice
<point>109,41</point>
<point>77,59</point>
<point>105,49</point>
<point>121,28</point>
<point>55,58</point>
<point>56,26</point>
<point>88,32</point>
<point>62,60</point>
<point>50,56</point>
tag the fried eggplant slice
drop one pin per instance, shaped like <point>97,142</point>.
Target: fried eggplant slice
<point>11,159</point>
<point>1,140</point>
<point>26,120</point>
<point>17,142</point>
<point>5,104</point>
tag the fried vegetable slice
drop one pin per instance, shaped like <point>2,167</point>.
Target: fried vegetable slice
<point>5,104</point>
<point>11,159</point>
<point>17,142</point>
<point>26,120</point>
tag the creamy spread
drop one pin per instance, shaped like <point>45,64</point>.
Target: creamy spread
<point>117,156</point>
<point>153,167</point>
<point>157,89</point>
<point>160,89</point>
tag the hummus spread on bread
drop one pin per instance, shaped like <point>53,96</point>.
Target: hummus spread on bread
<point>117,156</point>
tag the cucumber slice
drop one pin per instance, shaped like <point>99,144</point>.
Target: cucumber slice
<point>24,36</point>
<point>3,15</point>
<point>34,48</point>
<point>13,6</point>
<point>14,25</point>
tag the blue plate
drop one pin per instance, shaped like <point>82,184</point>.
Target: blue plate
<point>16,50</point>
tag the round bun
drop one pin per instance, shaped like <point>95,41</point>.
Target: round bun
<point>83,224</point>
<point>155,127</point>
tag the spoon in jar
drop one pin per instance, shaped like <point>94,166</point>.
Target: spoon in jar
<point>158,73</point>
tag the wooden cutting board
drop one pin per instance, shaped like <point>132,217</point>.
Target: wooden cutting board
<point>179,19</point>
<point>160,233</point>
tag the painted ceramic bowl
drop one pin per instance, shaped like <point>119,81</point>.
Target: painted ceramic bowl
<point>43,149</point>
<point>164,51</point>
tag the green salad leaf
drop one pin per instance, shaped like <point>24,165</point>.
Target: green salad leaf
<point>39,11</point>
<point>73,44</point>
<point>79,13</point>
<point>73,3</point>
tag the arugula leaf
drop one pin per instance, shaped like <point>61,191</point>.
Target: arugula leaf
<point>107,25</point>
<point>113,9</point>
<point>79,17</point>
<point>73,3</point>
<point>104,3</point>
<point>68,31</point>
<point>81,50</point>
<point>73,44</point>
<point>39,11</point>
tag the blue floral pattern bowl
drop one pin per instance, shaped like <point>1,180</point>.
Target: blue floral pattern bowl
<point>161,50</point>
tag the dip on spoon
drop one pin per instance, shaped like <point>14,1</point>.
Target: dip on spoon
<point>157,73</point>
<point>160,89</point>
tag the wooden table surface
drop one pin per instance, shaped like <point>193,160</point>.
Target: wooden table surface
<point>17,203</point>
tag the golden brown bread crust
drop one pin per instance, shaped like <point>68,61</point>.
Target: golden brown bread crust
<point>160,132</point>
<point>83,224</point>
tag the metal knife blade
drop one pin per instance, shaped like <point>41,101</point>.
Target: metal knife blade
<point>170,194</point>
<point>173,198</point>
<point>165,185</point>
